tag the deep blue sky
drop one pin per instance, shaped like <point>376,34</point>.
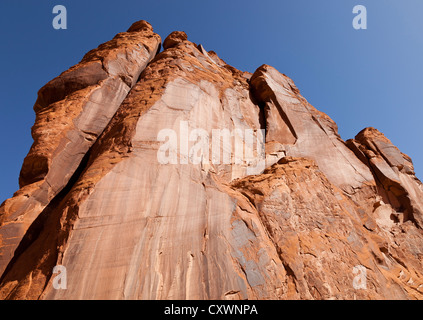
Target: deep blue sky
<point>359,78</point>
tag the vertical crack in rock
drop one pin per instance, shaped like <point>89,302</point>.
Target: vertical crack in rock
<point>262,116</point>
<point>276,130</point>
<point>34,231</point>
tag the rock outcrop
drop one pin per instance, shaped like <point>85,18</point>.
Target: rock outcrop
<point>72,110</point>
<point>131,190</point>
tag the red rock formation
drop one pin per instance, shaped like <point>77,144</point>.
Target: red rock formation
<point>72,110</point>
<point>95,198</point>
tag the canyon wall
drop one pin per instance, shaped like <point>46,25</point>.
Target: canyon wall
<point>298,213</point>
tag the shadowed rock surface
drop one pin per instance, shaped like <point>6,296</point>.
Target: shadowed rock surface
<point>293,224</point>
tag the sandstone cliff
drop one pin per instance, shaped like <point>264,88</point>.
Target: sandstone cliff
<point>294,222</point>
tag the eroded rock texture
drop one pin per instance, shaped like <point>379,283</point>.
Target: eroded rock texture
<point>95,198</point>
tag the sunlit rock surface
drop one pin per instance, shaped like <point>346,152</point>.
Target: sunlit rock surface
<point>295,221</point>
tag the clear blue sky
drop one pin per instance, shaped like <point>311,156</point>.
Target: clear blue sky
<point>360,78</point>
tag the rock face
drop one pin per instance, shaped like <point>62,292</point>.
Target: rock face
<point>72,110</point>
<point>131,190</point>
